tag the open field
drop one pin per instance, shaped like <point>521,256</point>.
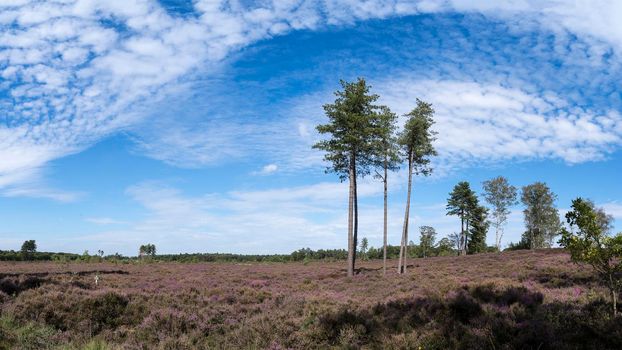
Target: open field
<point>520,299</point>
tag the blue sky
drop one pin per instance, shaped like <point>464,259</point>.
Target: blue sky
<point>189,124</point>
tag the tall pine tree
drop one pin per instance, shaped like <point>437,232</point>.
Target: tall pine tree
<point>461,202</point>
<point>387,159</point>
<point>479,224</point>
<point>350,149</point>
<point>416,143</point>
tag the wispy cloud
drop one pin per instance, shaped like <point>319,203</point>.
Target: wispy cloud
<point>613,208</point>
<point>487,122</point>
<point>104,221</point>
<point>76,71</point>
<point>73,72</point>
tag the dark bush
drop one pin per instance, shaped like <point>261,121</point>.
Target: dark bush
<point>104,311</point>
<point>16,285</point>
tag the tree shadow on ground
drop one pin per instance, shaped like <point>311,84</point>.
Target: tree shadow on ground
<point>555,279</point>
<point>478,317</point>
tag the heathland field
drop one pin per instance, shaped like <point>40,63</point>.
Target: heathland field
<point>512,300</point>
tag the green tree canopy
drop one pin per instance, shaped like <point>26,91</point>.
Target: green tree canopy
<point>478,219</point>
<point>589,241</point>
<point>353,127</point>
<point>501,196</point>
<point>461,202</point>
<point>28,248</point>
<point>147,249</point>
<point>541,216</point>
<point>427,239</point>
<point>416,140</point>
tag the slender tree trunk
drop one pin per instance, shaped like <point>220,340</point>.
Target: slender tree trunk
<point>615,303</point>
<point>462,238</point>
<point>406,216</point>
<point>350,217</point>
<point>497,236</point>
<point>399,262</point>
<point>614,295</point>
<point>466,237</point>
<point>356,224</point>
<point>384,256</point>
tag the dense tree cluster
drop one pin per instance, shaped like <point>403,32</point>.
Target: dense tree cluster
<point>361,137</point>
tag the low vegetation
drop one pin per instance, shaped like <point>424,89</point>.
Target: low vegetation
<point>525,299</point>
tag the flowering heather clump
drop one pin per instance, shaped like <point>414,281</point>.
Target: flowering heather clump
<point>508,300</point>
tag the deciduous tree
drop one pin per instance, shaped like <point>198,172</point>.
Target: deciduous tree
<point>428,236</point>
<point>364,246</point>
<point>590,242</point>
<point>29,248</point>
<point>147,249</point>
<point>541,216</point>
<point>501,196</point>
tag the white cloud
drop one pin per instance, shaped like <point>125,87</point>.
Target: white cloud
<point>262,221</point>
<point>613,208</point>
<point>486,122</point>
<point>267,170</point>
<point>273,220</point>
<point>596,21</point>
<point>76,71</point>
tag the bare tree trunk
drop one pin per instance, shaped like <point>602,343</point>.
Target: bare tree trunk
<point>462,237</point>
<point>615,303</point>
<point>384,257</point>
<point>614,295</point>
<point>466,237</point>
<point>399,262</point>
<point>350,217</point>
<point>497,236</point>
<point>356,224</point>
<point>404,249</point>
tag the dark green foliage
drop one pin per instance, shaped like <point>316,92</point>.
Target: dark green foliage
<point>520,245</point>
<point>352,128</point>
<point>590,242</point>
<point>417,137</point>
<point>427,238</point>
<point>445,247</point>
<point>147,250</point>
<point>463,202</point>
<point>386,152</point>
<point>28,249</point>
<point>10,255</point>
<point>478,220</point>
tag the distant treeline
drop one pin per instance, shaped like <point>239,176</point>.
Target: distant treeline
<point>11,255</point>
<point>304,254</point>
